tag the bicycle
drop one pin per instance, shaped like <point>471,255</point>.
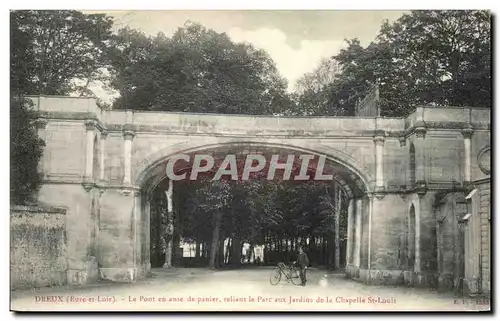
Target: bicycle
<point>290,272</point>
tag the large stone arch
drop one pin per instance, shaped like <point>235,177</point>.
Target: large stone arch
<point>148,167</point>
<point>354,180</point>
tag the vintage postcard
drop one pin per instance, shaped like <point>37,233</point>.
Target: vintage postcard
<point>250,160</point>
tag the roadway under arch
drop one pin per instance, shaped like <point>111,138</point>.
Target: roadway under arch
<point>352,182</point>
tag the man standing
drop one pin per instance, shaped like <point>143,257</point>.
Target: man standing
<point>303,262</point>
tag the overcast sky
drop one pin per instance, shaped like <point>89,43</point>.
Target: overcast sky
<point>296,40</point>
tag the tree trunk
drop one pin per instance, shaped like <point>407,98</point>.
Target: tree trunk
<point>277,252</point>
<point>338,207</point>
<point>176,249</point>
<point>215,239</point>
<point>325,251</point>
<point>197,250</point>
<point>169,226</point>
<point>242,244</point>
<point>321,250</point>
<point>311,245</point>
<point>159,227</point>
<point>236,251</point>
<point>331,251</point>
<point>228,250</point>
<point>220,253</point>
<point>251,251</point>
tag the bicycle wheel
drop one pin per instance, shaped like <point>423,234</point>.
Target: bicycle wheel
<point>294,275</point>
<point>276,277</point>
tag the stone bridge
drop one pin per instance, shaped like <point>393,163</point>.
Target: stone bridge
<point>398,172</point>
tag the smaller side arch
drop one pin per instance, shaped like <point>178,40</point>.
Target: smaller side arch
<point>412,166</point>
<point>95,160</point>
<point>410,238</point>
<point>414,207</point>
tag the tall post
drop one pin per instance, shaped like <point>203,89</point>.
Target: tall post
<point>379,160</point>
<point>472,249</point>
<point>127,156</point>
<point>420,152</point>
<point>102,155</point>
<point>467,134</point>
<point>338,207</point>
<point>147,212</point>
<point>350,226</point>
<point>89,153</point>
<point>357,232</point>
<point>169,233</point>
<point>136,230</point>
<point>215,239</point>
<point>370,213</point>
<point>128,135</point>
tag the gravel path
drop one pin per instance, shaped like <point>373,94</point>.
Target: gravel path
<point>237,290</point>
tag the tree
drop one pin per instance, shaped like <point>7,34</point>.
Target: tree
<point>445,56</point>
<point>312,91</point>
<point>196,70</point>
<point>425,57</point>
<point>325,74</point>
<point>361,68</point>
<point>52,48</point>
<point>25,152</point>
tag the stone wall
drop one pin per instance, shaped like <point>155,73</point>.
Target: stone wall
<point>453,260</point>
<point>37,247</point>
<point>81,227</point>
<point>484,212</point>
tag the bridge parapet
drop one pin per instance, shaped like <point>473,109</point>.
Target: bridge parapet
<point>66,104</point>
<point>449,117</point>
<point>254,125</point>
<point>424,116</point>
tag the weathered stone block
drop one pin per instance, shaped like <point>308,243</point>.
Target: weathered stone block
<point>387,225</point>
<point>386,277</point>
<point>446,282</point>
<point>123,274</point>
<point>352,271</point>
<point>78,218</point>
<point>38,247</point>
<point>90,274</point>
<point>118,235</point>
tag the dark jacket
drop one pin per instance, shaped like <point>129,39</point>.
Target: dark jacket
<point>302,260</point>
